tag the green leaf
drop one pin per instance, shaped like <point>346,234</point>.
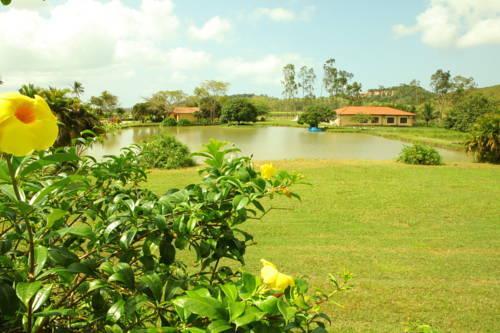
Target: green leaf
<point>153,283</point>
<point>205,307</point>
<point>26,290</point>
<point>286,311</point>
<point>8,293</point>
<point>249,317</point>
<point>6,2</point>
<point>268,305</point>
<point>240,202</point>
<point>54,216</point>
<point>219,326</point>
<point>97,284</point>
<point>41,297</point>
<point>155,330</point>
<point>113,329</point>
<point>230,291</point>
<point>82,230</point>
<point>236,309</point>
<point>167,252</point>
<point>115,312</point>
<point>62,256</point>
<point>124,274</point>
<point>41,255</point>
<point>127,238</point>
<point>249,285</point>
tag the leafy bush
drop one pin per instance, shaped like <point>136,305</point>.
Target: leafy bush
<point>85,248</point>
<point>239,110</point>
<point>169,122</point>
<point>465,113</point>
<point>485,140</point>
<point>419,154</point>
<point>316,114</point>
<point>165,152</point>
<point>184,122</point>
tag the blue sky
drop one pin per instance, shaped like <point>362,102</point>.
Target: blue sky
<point>136,47</point>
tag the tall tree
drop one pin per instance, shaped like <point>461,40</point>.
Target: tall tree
<point>461,83</point>
<point>77,89</point>
<point>105,104</point>
<point>428,113</point>
<point>290,86</point>
<point>307,79</point>
<point>441,84</point>
<point>214,88</point>
<point>330,76</point>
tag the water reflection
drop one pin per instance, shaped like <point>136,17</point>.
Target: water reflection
<point>272,143</point>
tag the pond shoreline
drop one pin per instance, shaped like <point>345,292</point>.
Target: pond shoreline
<point>271,142</point>
<point>394,133</point>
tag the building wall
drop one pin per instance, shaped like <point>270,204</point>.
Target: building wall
<point>188,116</point>
<point>344,120</point>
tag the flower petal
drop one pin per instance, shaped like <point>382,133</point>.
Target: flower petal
<point>16,138</point>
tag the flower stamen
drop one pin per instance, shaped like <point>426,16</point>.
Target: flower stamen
<point>25,114</point>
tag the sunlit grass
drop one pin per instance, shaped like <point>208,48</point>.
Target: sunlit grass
<point>422,242</point>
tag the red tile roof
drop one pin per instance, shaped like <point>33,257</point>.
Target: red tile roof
<point>372,111</point>
<point>182,109</point>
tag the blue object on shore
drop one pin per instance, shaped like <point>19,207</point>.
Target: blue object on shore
<point>315,129</point>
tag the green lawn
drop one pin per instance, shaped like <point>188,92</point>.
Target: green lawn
<point>422,242</point>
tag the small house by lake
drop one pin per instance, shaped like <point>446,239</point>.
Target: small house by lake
<point>373,116</point>
<point>183,112</point>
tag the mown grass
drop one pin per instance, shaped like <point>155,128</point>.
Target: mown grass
<point>422,242</point>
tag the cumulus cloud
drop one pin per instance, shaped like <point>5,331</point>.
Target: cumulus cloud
<point>80,33</point>
<point>266,70</point>
<point>456,23</point>
<point>214,29</point>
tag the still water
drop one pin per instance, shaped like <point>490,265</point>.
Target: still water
<point>272,143</point>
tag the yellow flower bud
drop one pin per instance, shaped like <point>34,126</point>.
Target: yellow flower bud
<point>272,278</point>
<point>267,171</point>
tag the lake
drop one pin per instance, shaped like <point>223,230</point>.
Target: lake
<point>272,143</point>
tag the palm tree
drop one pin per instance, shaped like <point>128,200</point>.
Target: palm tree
<point>77,89</point>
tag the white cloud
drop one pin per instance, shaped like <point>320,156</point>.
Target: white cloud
<point>80,33</point>
<point>266,70</point>
<point>213,29</point>
<point>280,14</point>
<point>456,23</point>
<point>277,14</point>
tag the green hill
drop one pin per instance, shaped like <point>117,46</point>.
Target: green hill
<point>492,92</point>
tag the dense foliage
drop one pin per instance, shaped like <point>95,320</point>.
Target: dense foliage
<point>184,122</point>
<point>165,152</point>
<point>420,154</point>
<point>485,141</point>
<point>169,122</point>
<point>316,114</point>
<point>84,248</point>
<point>238,110</point>
<point>74,116</point>
<point>210,109</point>
<point>467,110</point>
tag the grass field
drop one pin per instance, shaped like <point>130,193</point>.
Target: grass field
<point>422,242</point>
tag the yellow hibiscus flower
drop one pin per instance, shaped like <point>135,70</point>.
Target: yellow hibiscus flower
<point>273,279</point>
<point>267,171</point>
<point>26,124</point>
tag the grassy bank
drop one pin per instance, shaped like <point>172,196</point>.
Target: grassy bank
<point>422,242</point>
